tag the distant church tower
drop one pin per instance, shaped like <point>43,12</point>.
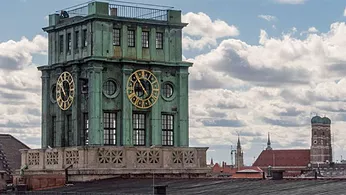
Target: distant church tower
<point>269,147</point>
<point>321,146</point>
<point>239,160</point>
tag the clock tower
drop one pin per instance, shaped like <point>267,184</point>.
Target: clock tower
<point>115,77</point>
<point>115,95</point>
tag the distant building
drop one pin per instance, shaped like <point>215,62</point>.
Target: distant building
<point>321,144</point>
<point>10,157</point>
<point>295,161</point>
<point>239,158</point>
<point>225,170</point>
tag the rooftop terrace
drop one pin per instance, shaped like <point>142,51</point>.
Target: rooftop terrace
<point>122,9</point>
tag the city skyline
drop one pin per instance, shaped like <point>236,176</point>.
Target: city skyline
<point>268,69</point>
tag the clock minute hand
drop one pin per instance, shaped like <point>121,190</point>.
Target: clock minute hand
<point>141,85</point>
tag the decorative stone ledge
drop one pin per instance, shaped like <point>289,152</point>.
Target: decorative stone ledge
<point>114,160</point>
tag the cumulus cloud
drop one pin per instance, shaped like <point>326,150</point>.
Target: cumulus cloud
<point>20,89</point>
<point>16,55</point>
<point>274,86</point>
<point>202,31</point>
<point>268,17</point>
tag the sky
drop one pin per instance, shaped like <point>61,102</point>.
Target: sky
<point>259,67</point>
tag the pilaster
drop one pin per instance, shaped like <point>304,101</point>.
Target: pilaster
<point>183,108</point>
<point>95,105</point>
<point>76,108</point>
<point>156,133</point>
<point>45,130</point>
<point>60,122</point>
<point>126,111</point>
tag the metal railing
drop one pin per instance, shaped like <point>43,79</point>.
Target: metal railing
<point>124,9</point>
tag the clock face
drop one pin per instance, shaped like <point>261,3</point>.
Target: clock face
<point>143,89</point>
<point>65,90</point>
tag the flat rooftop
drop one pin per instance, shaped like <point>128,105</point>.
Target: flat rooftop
<point>207,186</point>
<point>123,9</point>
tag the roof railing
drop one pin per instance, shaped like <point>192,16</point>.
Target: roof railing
<point>124,9</point>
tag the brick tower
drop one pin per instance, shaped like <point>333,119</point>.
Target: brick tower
<point>321,145</point>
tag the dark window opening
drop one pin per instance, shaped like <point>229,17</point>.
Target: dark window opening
<point>131,38</point>
<point>61,44</point>
<point>86,128</point>
<point>76,46</point>
<point>167,129</point>
<point>109,126</point>
<point>159,40</point>
<point>84,38</point>
<point>145,39</point>
<point>116,37</point>
<point>138,129</point>
<point>69,43</point>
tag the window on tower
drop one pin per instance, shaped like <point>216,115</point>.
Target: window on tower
<point>116,37</point>
<point>76,45</point>
<point>145,39</point>
<point>69,43</point>
<point>159,40</point>
<point>86,128</point>
<point>84,38</point>
<point>131,38</point>
<point>109,126</point>
<point>138,129</point>
<point>167,129</point>
<point>61,44</point>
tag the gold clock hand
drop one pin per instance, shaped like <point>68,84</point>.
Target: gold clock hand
<point>63,90</point>
<point>141,85</point>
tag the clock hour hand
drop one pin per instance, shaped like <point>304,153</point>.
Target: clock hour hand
<point>63,90</point>
<point>141,85</point>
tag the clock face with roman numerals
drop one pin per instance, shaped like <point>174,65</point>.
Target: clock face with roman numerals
<point>65,90</point>
<point>143,89</point>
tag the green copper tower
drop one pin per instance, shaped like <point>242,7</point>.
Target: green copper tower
<point>115,76</point>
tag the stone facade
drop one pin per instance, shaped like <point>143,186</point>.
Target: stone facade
<point>89,163</point>
<point>321,142</point>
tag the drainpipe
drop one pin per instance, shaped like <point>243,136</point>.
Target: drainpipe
<point>66,174</point>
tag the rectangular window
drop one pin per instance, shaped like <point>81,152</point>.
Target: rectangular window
<point>167,129</point>
<point>76,45</point>
<point>159,40</point>
<point>131,38</point>
<point>145,39</point>
<point>138,129</point>
<point>61,44</point>
<point>84,38</point>
<point>116,37</point>
<point>86,128</point>
<point>69,130</point>
<point>69,43</point>
<point>53,136</point>
<point>110,127</point>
